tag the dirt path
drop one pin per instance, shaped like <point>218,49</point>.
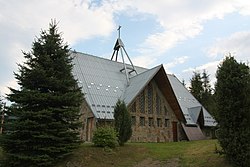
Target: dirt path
<point>149,162</point>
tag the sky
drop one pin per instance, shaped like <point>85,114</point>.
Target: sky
<point>183,35</point>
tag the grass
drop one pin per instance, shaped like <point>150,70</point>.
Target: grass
<point>90,156</point>
<point>189,154</point>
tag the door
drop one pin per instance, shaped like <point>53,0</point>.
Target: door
<point>175,133</point>
<point>89,129</point>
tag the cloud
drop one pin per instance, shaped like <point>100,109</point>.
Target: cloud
<point>21,21</point>
<point>175,62</point>
<point>179,20</point>
<point>237,44</point>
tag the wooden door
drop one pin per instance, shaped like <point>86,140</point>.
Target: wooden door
<point>89,129</point>
<point>175,132</point>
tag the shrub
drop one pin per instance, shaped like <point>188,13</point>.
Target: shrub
<point>105,137</point>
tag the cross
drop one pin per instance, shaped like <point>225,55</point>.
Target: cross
<point>119,32</point>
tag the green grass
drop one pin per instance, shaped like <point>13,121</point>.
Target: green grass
<point>90,156</point>
<point>189,154</point>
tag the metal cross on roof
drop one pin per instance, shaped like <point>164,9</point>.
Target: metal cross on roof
<point>119,46</point>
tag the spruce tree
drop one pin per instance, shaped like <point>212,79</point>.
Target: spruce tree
<point>123,124</point>
<point>196,86</point>
<point>206,96</point>
<point>232,98</point>
<point>45,110</point>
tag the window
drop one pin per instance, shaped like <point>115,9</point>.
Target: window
<point>133,120</point>
<point>133,107</point>
<point>150,122</point>
<point>159,122</point>
<point>166,123</point>
<point>142,102</point>
<point>142,121</point>
<point>165,111</point>
<point>158,104</point>
<point>150,99</point>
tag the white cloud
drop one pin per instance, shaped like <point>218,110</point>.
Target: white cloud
<point>179,20</point>
<point>175,62</point>
<point>237,44</point>
<point>21,21</point>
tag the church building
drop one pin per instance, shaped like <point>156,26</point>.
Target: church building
<point>161,108</point>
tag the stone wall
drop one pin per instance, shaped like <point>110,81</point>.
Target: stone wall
<point>152,116</point>
<point>88,122</point>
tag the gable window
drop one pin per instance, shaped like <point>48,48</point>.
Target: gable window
<point>158,104</point>
<point>142,121</point>
<point>150,99</point>
<point>133,120</point>
<point>142,102</point>
<point>150,122</point>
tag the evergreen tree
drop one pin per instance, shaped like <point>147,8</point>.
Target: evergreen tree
<point>206,94</point>
<point>196,86</point>
<point>45,110</point>
<point>232,97</point>
<point>123,124</point>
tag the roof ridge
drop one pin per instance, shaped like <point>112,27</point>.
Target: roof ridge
<point>159,66</point>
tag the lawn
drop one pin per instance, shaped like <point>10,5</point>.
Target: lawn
<point>185,154</point>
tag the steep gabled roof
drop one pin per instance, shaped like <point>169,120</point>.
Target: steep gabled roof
<point>190,106</point>
<point>137,83</point>
<point>104,82</point>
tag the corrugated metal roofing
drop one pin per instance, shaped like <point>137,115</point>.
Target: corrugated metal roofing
<point>101,81</point>
<point>103,84</point>
<point>138,82</point>
<point>190,107</point>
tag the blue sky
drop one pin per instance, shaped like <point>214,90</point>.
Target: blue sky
<point>182,35</point>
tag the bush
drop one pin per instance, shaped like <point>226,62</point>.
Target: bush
<point>105,137</point>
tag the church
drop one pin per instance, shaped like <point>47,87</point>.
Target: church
<point>161,108</point>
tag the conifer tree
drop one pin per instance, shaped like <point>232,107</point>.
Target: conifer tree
<point>123,124</point>
<point>45,109</point>
<point>233,104</point>
<point>196,86</point>
<point>206,96</point>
